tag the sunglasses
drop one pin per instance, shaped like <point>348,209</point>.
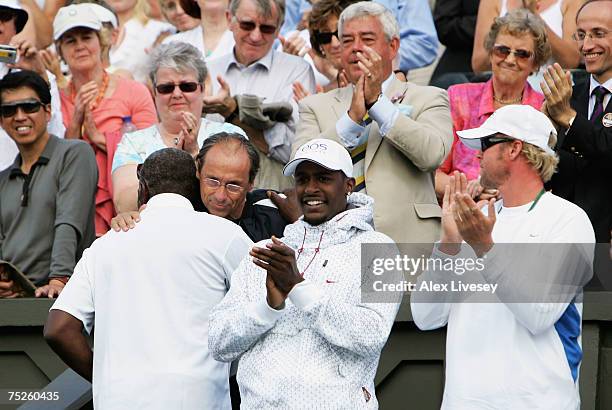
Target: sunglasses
<point>250,26</point>
<point>28,107</point>
<point>502,51</point>
<point>216,184</point>
<point>488,142</point>
<point>184,87</point>
<point>325,38</point>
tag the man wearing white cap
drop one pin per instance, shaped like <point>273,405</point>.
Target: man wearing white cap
<point>13,18</point>
<point>520,351</point>
<point>293,313</point>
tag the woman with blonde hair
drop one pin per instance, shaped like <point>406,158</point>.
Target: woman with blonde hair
<point>212,37</point>
<point>137,35</point>
<point>95,102</point>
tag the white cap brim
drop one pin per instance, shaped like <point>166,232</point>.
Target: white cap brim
<point>289,169</point>
<point>471,138</point>
<point>60,33</point>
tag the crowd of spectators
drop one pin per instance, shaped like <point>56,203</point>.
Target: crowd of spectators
<point>246,86</point>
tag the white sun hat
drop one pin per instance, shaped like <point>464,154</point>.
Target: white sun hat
<point>75,15</point>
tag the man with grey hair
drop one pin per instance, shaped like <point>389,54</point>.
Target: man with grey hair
<point>254,73</point>
<point>397,133</point>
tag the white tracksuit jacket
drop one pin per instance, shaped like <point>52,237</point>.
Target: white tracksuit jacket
<point>322,350</point>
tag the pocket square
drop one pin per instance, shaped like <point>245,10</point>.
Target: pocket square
<point>405,109</point>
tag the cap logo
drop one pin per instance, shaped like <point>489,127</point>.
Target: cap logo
<point>314,147</point>
<point>72,12</point>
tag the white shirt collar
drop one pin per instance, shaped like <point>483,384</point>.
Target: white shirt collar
<point>265,61</point>
<point>594,84</point>
<point>166,200</point>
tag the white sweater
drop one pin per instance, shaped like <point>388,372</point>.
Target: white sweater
<point>322,349</point>
<point>506,355</point>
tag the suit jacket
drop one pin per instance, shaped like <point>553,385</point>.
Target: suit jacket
<point>399,168</point>
<point>585,165</point>
<point>455,22</point>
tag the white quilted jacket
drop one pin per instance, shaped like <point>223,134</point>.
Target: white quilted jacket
<point>322,350</point>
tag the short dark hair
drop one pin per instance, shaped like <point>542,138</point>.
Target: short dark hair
<point>26,78</point>
<point>225,137</point>
<point>584,5</point>
<point>21,17</point>
<point>169,170</point>
<point>321,12</point>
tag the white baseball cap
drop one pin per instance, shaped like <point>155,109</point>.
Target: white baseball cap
<point>327,153</point>
<point>521,122</point>
<point>104,14</point>
<point>22,15</point>
<point>75,15</point>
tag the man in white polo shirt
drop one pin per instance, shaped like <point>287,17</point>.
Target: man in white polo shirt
<point>148,293</point>
<point>522,350</point>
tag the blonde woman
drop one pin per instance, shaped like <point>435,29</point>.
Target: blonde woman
<point>136,36</point>
<point>95,102</point>
<point>212,37</point>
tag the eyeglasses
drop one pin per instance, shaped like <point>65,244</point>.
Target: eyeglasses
<point>598,34</point>
<point>488,142</point>
<point>184,87</point>
<point>325,37</point>
<point>216,184</point>
<point>28,107</point>
<point>502,51</point>
<point>250,26</point>
<point>6,15</point>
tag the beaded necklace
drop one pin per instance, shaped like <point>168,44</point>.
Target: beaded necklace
<point>105,80</point>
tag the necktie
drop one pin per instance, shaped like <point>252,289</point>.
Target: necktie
<point>599,92</point>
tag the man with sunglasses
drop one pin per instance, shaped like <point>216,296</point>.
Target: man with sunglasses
<point>584,115</point>
<point>518,347</point>
<point>253,67</point>
<point>47,194</point>
<point>13,21</point>
<point>148,293</point>
<point>398,133</point>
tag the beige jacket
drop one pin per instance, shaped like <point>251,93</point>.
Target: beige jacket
<point>399,168</point>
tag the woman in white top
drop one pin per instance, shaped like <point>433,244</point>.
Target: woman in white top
<point>177,72</point>
<point>560,19</point>
<point>174,13</point>
<point>137,34</point>
<point>212,37</point>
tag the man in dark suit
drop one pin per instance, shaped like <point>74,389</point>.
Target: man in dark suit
<point>584,115</point>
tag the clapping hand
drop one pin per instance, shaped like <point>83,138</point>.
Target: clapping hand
<point>278,260</point>
<point>557,88</point>
<point>221,103</point>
